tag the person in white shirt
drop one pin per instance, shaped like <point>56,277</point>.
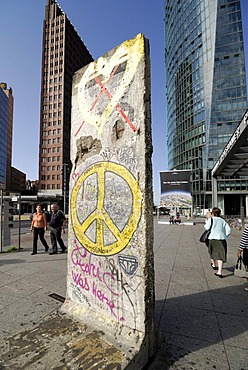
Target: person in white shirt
<point>217,246</point>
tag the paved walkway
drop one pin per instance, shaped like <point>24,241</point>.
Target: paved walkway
<point>203,319</point>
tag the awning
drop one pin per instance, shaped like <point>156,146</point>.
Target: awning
<point>234,159</point>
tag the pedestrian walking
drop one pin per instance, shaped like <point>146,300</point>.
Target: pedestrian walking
<point>243,250</point>
<point>57,225</point>
<point>217,246</point>
<point>39,226</point>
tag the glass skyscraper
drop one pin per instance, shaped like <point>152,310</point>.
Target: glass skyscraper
<point>206,85</point>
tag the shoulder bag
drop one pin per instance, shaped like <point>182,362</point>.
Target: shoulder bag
<point>241,270</point>
<point>205,235</point>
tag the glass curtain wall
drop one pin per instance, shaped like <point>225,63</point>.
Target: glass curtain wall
<point>206,85</point>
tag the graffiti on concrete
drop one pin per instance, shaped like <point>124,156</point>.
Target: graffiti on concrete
<point>107,250</point>
<point>90,276</point>
<point>124,155</point>
<point>105,226</point>
<point>129,264</point>
<point>104,83</point>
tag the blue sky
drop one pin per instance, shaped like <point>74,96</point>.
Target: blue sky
<point>102,25</point>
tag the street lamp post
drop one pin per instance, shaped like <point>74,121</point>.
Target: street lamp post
<point>65,183</point>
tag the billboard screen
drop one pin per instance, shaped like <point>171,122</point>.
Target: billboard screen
<point>175,189</point>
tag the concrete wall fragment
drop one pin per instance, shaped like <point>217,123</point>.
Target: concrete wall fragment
<point>110,282</point>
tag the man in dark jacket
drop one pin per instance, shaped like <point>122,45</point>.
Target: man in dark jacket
<point>57,224</point>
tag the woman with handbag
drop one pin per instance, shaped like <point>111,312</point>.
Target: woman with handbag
<point>217,246</point>
<point>243,250</point>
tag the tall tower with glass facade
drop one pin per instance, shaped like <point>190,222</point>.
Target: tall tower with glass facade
<point>206,85</point>
<point>63,53</point>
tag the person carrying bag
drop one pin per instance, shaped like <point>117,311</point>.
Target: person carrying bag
<point>204,238</point>
<point>241,268</point>
<point>217,246</point>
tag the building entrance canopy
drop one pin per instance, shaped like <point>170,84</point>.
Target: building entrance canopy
<point>234,159</point>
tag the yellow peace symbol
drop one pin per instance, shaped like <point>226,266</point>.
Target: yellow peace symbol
<point>100,215</point>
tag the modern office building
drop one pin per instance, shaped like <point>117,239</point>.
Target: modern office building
<point>206,86</point>
<point>6,129</point>
<point>230,173</point>
<point>63,53</point>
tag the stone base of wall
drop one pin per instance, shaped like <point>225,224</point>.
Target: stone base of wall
<point>132,349</point>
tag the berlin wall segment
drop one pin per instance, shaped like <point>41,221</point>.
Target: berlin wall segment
<point>110,281</point>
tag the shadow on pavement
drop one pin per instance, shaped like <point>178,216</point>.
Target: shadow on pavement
<point>192,323</point>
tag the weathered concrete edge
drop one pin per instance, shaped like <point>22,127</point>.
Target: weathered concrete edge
<point>134,358</point>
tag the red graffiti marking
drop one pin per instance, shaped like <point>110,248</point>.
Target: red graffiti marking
<point>75,175</point>
<point>105,90</point>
